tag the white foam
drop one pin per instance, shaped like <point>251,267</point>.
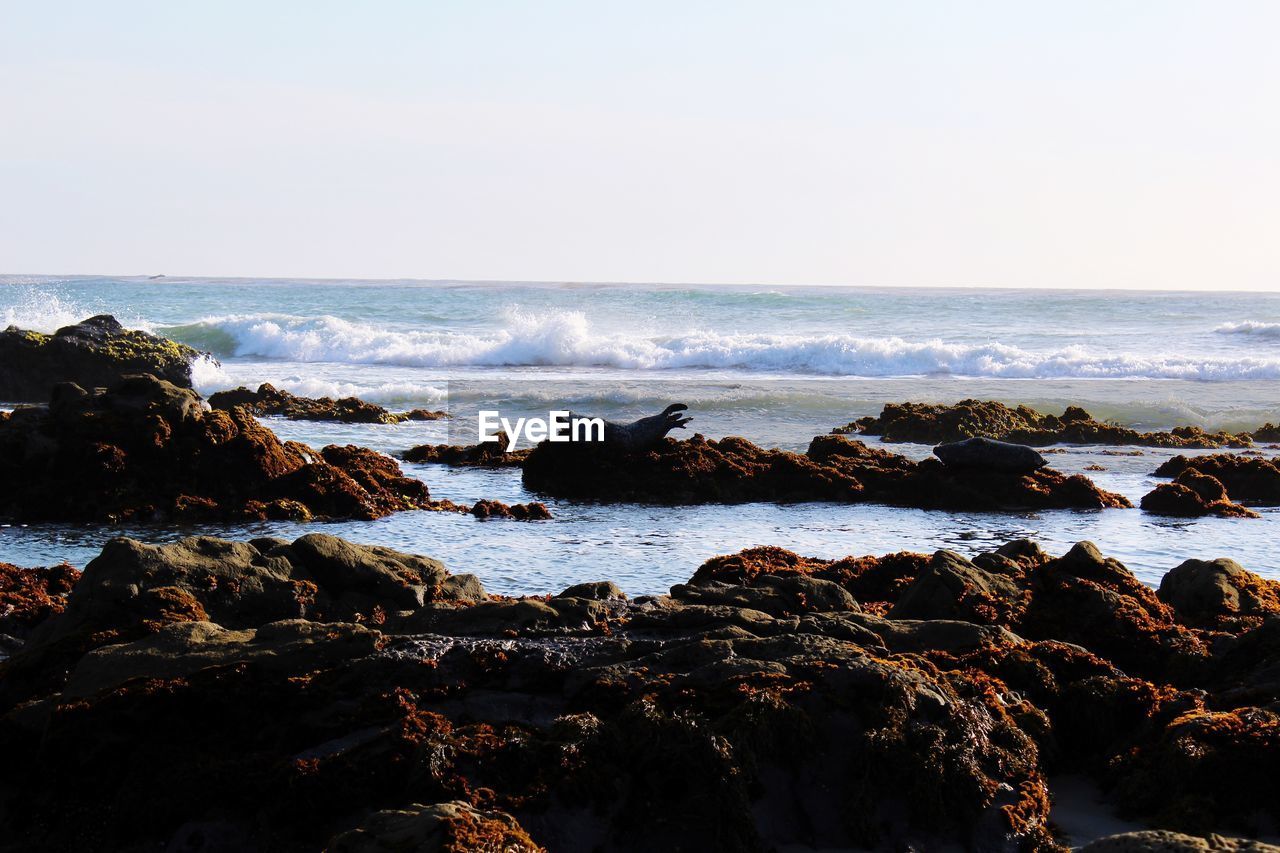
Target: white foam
<point>41,310</point>
<point>1250,327</point>
<point>567,339</point>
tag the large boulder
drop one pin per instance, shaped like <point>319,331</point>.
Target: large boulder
<point>97,352</point>
<point>1219,594</point>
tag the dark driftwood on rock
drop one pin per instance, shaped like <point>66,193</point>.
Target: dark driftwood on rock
<point>646,432</point>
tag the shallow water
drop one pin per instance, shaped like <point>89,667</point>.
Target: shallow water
<point>777,366</point>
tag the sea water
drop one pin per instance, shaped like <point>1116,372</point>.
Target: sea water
<point>776,365</point>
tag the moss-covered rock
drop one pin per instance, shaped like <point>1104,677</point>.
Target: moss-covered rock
<point>97,352</point>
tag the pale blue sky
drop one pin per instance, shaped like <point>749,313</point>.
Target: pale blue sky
<point>1132,144</point>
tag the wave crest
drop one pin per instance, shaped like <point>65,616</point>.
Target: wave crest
<point>1250,327</point>
<point>567,339</point>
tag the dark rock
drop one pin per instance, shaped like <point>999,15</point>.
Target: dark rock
<point>1193,494</point>
<point>486,509</point>
<point>1219,594</point>
<point>929,423</point>
<point>1250,478</point>
<point>733,470</point>
<point>97,352</point>
<point>1164,841</point>
<point>990,454</point>
<point>271,401</point>
<point>587,721</point>
<point>145,449</point>
<point>490,454</point>
<point>450,827</point>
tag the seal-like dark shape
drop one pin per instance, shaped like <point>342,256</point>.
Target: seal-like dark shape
<point>990,454</point>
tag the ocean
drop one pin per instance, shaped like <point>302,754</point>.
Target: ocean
<point>776,365</point>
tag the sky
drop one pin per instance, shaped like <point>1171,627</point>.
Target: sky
<point>1128,143</point>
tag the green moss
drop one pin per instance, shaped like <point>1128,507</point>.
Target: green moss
<point>134,344</point>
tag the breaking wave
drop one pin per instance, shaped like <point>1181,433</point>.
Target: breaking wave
<point>567,339</point>
<point>1250,327</point>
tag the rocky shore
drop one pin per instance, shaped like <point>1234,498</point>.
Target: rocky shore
<point>315,694</point>
<point>269,401</point>
<point>930,423</point>
<point>147,450</point>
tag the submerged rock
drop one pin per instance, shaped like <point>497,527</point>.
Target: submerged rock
<point>146,449</point>
<point>930,423</point>
<point>96,352</point>
<point>733,470</point>
<point>1193,494</point>
<point>271,401</point>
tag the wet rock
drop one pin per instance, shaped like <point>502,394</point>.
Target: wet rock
<point>1250,478</point>
<point>733,470</point>
<point>929,423</point>
<point>450,827</point>
<point>485,509</point>
<point>1193,494</point>
<point>145,449</point>
<point>271,401</point>
<point>1219,594</point>
<point>490,454</point>
<point>97,352</point>
<point>1165,841</point>
<point>990,454</point>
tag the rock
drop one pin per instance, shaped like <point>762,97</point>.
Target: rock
<point>450,827</point>
<point>1164,841</point>
<point>588,721</point>
<point>490,454</point>
<point>733,470</point>
<point>1219,594</point>
<point>271,401</point>
<point>928,423</point>
<point>145,449</point>
<point>951,587</point>
<point>179,649</point>
<point>1251,478</point>
<point>1191,495</point>
<point>97,352</point>
<point>594,590</point>
<point>30,596</point>
<point>485,509</point>
<point>990,454</point>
